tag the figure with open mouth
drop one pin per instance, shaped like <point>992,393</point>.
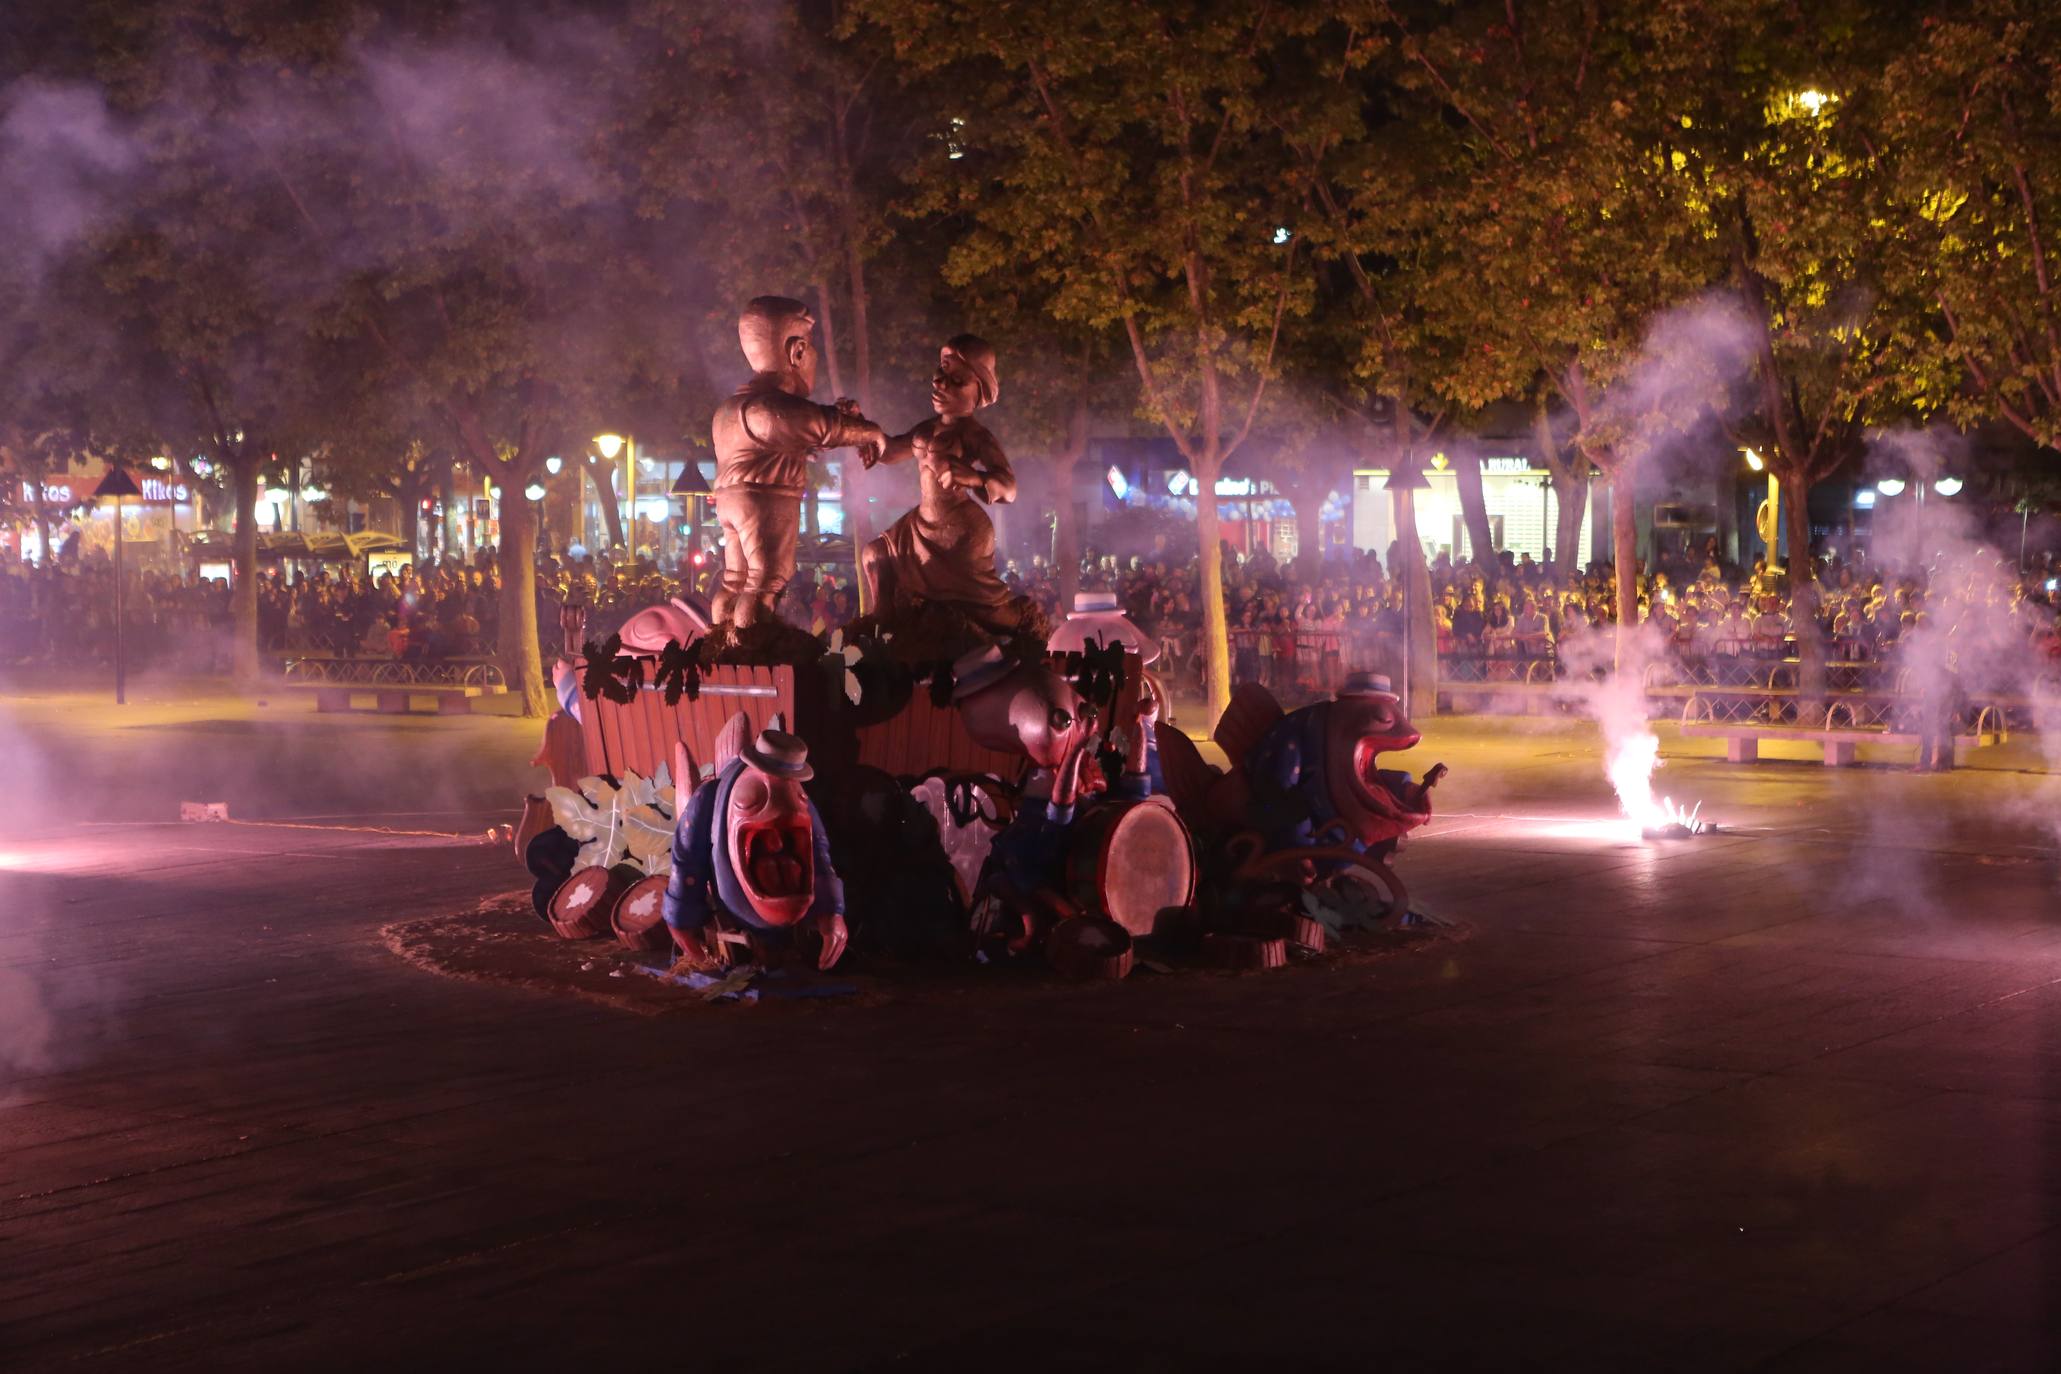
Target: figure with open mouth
<point>751,860</point>
<point>1306,795</point>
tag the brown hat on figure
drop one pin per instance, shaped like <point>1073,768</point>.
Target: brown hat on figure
<point>978,356</point>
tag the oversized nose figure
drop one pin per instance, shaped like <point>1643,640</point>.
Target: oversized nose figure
<point>750,849</point>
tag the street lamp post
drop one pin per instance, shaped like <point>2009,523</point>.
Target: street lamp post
<point>118,484</point>
<point>609,446</point>
<point>691,486</point>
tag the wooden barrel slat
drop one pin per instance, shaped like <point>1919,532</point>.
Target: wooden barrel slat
<point>594,742</point>
<point>1244,952</point>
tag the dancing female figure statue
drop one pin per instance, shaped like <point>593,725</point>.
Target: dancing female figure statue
<point>944,549</point>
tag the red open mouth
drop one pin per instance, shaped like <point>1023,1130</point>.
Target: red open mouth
<point>777,858</point>
<point>1367,751</point>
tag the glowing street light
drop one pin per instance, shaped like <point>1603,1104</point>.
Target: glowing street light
<point>609,445</point>
<point>1891,486</point>
<point>535,491</point>
<point>553,464</point>
<point>1767,519</point>
<point>1947,486</point>
<point>1813,100</point>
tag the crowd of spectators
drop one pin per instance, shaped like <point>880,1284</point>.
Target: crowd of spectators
<point>1293,627</point>
<point>65,613</point>
<point>1296,631</point>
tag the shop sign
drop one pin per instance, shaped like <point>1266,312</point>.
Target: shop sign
<point>161,491</point>
<point>1506,465</point>
<point>54,493</point>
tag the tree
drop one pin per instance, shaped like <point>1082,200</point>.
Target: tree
<point>467,197</point>
<point>775,141</point>
<point>1785,142</point>
<point>1573,224</point>
<point>1969,131</point>
<point>1126,159</point>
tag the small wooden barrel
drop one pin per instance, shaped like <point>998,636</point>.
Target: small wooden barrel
<point>1089,947</point>
<point>1300,931</point>
<point>1244,952</point>
<point>639,915</point>
<point>1129,861</point>
<point>579,909</point>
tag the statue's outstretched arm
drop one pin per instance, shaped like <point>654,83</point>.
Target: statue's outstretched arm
<point>784,421</point>
<point>987,455</point>
<point>900,448</point>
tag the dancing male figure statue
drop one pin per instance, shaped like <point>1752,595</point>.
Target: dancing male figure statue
<point>764,435</point>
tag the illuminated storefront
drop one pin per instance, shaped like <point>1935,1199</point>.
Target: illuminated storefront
<point>1523,510</point>
<point>81,526</point>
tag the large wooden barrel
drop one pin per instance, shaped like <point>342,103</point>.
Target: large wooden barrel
<point>639,915</point>
<point>579,909</point>
<point>1129,861</point>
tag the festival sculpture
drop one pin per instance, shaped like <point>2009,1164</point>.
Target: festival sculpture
<point>1023,799</point>
<point>1062,857</point>
<point>764,435</point>
<point>751,865</point>
<point>1097,620</point>
<point>1306,794</point>
<point>944,549</point>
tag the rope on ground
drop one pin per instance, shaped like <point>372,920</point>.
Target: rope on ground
<point>477,837</point>
<point>492,835</point>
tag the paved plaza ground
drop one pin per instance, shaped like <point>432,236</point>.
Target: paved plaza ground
<point>1789,1097</point>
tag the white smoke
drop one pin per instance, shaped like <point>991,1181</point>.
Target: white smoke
<point>1614,696</point>
<point>28,1031</point>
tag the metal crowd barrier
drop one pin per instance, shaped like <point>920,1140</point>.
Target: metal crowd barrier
<point>395,672</point>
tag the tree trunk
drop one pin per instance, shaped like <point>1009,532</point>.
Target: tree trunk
<point>1066,533</point>
<point>1422,627</point>
<point>36,474</point>
<point>826,321</point>
<point>522,660</point>
<point>1572,493</point>
<point>411,521</point>
<point>1309,535</point>
<point>858,517</point>
<point>604,492</point>
<point>243,581</point>
<point>1066,530</point>
<point>1624,551</point>
<point>447,488</point>
<point>1474,509</point>
<point>1216,627</point>
<point>1803,592</point>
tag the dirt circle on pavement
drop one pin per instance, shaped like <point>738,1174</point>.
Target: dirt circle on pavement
<point>500,940</point>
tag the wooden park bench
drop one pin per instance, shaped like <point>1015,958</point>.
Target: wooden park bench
<point>1744,717</point>
<point>393,686</point>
